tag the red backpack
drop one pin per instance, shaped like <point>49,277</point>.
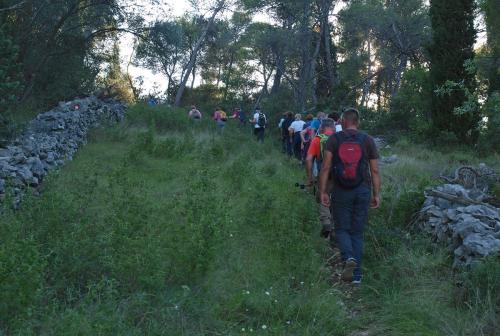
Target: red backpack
<point>350,161</point>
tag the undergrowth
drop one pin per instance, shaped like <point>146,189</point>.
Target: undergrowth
<point>160,226</point>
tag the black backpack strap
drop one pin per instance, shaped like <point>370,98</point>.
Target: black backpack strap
<point>340,137</point>
<point>362,138</point>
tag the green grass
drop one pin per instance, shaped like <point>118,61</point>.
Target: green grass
<point>163,227</point>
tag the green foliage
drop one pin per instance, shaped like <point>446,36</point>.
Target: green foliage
<point>452,46</point>
<point>9,84</point>
<point>489,140</point>
<point>158,118</point>
<point>162,226</point>
<point>495,190</point>
<point>481,282</point>
<point>166,49</point>
<point>9,71</point>
<point>59,45</point>
<point>21,276</point>
<point>410,288</point>
<point>204,97</point>
<point>167,241</point>
<point>115,80</point>
<point>491,60</point>
<point>411,107</point>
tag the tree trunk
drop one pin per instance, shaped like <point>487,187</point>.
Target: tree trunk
<point>398,74</point>
<point>135,91</point>
<point>196,49</point>
<point>228,76</point>
<point>194,74</point>
<point>312,73</point>
<point>330,61</point>
<point>280,70</point>
<point>367,84</point>
<point>219,71</point>
<point>305,44</point>
<point>379,94</point>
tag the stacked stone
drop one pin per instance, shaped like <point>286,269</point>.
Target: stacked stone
<point>471,231</point>
<point>50,140</point>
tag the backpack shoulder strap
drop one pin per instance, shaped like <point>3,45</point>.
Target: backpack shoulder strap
<point>340,137</point>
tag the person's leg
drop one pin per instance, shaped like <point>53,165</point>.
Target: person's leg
<point>288,146</point>
<point>296,146</point>
<point>256,132</point>
<point>325,218</point>
<point>359,219</point>
<point>331,222</point>
<point>261,134</point>
<point>304,151</point>
<point>342,211</point>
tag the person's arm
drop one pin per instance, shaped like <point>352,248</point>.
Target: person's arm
<point>323,177</point>
<point>303,133</point>
<point>290,133</point>
<point>375,201</point>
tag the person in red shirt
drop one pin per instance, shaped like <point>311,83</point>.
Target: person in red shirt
<point>315,156</point>
<point>355,189</point>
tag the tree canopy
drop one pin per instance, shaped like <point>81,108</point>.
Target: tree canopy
<point>407,64</point>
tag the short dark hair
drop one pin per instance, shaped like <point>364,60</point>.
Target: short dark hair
<point>289,114</point>
<point>334,115</point>
<point>327,123</point>
<point>351,115</point>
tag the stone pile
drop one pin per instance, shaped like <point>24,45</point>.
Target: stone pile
<point>50,140</point>
<point>380,142</point>
<point>458,217</point>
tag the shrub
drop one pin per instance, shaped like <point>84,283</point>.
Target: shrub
<point>489,140</point>
<point>21,277</point>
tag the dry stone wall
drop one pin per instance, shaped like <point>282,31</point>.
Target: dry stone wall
<point>462,218</point>
<point>51,139</point>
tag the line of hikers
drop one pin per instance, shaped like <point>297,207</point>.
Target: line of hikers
<point>259,120</point>
<point>341,166</point>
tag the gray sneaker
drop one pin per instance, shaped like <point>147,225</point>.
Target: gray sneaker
<point>349,267</point>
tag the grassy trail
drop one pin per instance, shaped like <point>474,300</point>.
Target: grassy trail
<point>162,227</point>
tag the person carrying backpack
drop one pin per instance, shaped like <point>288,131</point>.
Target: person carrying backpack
<point>240,115</point>
<point>194,113</point>
<point>315,124</point>
<point>285,134</point>
<point>260,121</point>
<point>305,137</point>
<point>351,158</point>
<point>315,154</point>
<point>295,128</point>
<point>220,118</point>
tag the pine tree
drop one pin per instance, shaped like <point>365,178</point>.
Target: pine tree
<point>9,71</point>
<point>491,9</point>
<point>452,45</point>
